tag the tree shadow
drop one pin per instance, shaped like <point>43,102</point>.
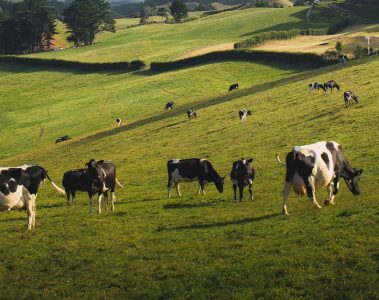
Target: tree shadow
<point>223,224</point>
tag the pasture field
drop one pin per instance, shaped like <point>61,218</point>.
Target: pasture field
<point>207,247</point>
<point>161,42</point>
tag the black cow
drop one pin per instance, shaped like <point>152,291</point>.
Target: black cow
<point>192,169</point>
<point>118,122</point>
<point>19,188</point>
<point>349,97</point>
<point>234,86</point>
<point>331,84</point>
<point>191,113</point>
<point>169,105</point>
<point>316,86</point>
<point>99,178</point>
<point>243,113</point>
<point>242,175</point>
<point>315,166</point>
<point>62,139</point>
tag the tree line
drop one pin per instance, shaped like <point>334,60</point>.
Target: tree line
<point>29,26</point>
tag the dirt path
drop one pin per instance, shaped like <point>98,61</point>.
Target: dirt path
<point>219,47</point>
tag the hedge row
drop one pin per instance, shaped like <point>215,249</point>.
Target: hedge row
<point>307,59</point>
<point>266,36</point>
<point>133,65</point>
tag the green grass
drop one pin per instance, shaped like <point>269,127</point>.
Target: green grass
<point>202,247</point>
<point>165,41</point>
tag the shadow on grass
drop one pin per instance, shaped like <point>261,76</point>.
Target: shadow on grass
<point>52,205</point>
<point>222,224</point>
<point>186,205</point>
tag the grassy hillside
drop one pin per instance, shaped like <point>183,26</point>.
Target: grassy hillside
<point>165,42</point>
<point>205,247</point>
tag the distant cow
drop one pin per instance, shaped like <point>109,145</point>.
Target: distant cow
<point>316,86</point>
<point>193,169</point>
<point>118,122</point>
<point>19,187</point>
<point>169,105</point>
<point>191,113</point>
<point>331,84</point>
<point>234,86</point>
<point>243,113</point>
<point>62,139</point>
<point>99,178</point>
<point>242,175</point>
<point>349,97</point>
<point>318,165</point>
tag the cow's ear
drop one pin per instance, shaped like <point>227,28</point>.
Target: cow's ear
<point>250,160</point>
<point>359,172</point>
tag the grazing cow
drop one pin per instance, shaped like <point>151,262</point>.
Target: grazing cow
<point>118,122</point>
<point>192,169</point>
<point>316,86</point>
<point>62,139</point>
<point>99,178</point>
<point>243,113</point>
<point>191,113</point>
<point>318,165</point>
<point>19,187</point>
<point>169,105</point>
<point>331,84</point>
<point>234,86</point>
<point>242,175</point>
<point>349,97</point>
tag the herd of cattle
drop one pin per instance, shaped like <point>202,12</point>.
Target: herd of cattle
<point>308,168</point>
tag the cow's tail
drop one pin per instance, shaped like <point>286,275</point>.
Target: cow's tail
<point>279,161</point>
<point>56,187</point>
<point>119,184</point>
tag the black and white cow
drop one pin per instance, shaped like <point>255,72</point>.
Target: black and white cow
<point>331,84</point>
<point>242,175</point>
<point>318,165</point>
<point>169,105</point>
<point>118,122</point>
<point>19,188</point>
<point>234,86</point>
<point>316,86</point>
<point>62,139</point>
<point>243,113</point>
<point>192,169</point>
<point>98,178</point>
<point>191,113</point>
<point>349,97</point>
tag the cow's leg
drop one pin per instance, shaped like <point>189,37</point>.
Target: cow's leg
<point>199,189</point>
<point>314,201</point>
<point>90,202</point>
<point>68,197</point>
<point>169,186</point>
<point>178,189</point>
<point>286,191</point>
<point>240,189</point>
<point>330,199</point>
<point>100,197</point>
<point>251,191</point>
<point>235,191</point>
<point>336,185</point>
<point>202,187</point>
<point>113,200</point>
<point>73,198</point>
<point>34,208</point>
<point>106,200</point>
<point>30,210</point>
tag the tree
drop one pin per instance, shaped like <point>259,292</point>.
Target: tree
<point>146,13</point>
<point>162,12</point>
<point>86,18</point>
<point>27,26</point>
<point>339,47</point>
<point>178,10</point>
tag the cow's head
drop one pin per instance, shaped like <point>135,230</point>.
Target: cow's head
<point>356,99</point>
<point>248,112</point>
<point>220,184</point>
<point>95,171</point>
<point>352,181</point>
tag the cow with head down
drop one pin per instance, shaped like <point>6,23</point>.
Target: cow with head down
<point>318,165</point>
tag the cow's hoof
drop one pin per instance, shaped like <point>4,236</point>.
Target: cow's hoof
<point>285,212</point>
<point>326,202</point>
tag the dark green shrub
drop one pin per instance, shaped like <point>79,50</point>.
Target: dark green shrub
<point>137,64</point>
<point>266,36</point>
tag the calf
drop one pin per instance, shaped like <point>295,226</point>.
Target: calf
<point>193,169</point>
<point>349,96</point>
<point>242,175</point>
<point>316,85</point>
<point>19,187</point>
<point>118,122</point>
<point>169,105</point>
<point>243,113</point>
<point>331,84</point>
<point>318,165</point>
<point>191,113</point>
<point>62,139</point>
<point>234,86</point>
